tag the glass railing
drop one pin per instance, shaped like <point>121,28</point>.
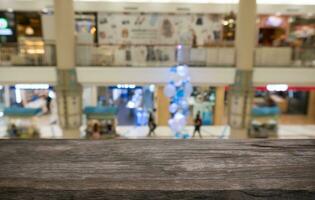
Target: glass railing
<point>201,56</point>
<point>114,55</point>
<point>285,56</point>
<point>141,55</point>
<point>28,54</point>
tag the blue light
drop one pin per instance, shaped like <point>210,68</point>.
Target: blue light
<point>6,31</point>
<point>179,108</point>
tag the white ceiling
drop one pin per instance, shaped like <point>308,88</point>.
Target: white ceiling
<point>285,2</point>
<point>306,7</point>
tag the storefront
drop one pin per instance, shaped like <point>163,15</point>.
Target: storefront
<point>279,105</point>
<point>291,100</point>
<point>302,33</point>
<point>28,111</point>
<point>86,28</point>
<point>273,30</point>
<point>135,102</point>
<point>28,38</point>
<point>203,100</point>
<point>8,36</point>
<point>7,27</point>
<point>229,27</point>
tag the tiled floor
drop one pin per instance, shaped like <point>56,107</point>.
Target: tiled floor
<point>164,132</point>
<point>295,127</point>
<point>209,132</point>
<point>296,119</point>
<point>296,132</point>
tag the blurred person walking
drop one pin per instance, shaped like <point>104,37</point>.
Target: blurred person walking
<point>197,124</point>
<point>151,123</point>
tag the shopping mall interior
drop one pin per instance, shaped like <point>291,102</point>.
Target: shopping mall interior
<point>157,99</point>
<point>106,69</point>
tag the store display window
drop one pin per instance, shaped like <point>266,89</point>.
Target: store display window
<point>30,111</point>
<point>273,30</point>
<point>133,103</point>
<point>86,27</point>
<point>202,100</point>
<point>302,35</point>
<point>28,24</point>
<point>229,26</point>
<point>289,100</point>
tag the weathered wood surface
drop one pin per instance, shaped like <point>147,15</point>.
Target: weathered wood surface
<point>157,169</point>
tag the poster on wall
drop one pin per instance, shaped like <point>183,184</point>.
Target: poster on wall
<point>162,29</point>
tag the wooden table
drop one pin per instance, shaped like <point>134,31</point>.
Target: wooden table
<point>157,169</point>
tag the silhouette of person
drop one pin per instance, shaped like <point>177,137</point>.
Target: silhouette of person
<point>151,123</point>
<point>197,124</point>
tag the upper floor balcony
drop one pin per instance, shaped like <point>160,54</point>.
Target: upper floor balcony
<point>30,53</point>
<point>150,39</point>
<point>41,53</point>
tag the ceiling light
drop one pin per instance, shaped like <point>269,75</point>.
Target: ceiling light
<point>277,87</point>
<point>225,22</point>
<point>93,30</point>
<point>29,31</point>
<point>45,10</point>
<point>32,86</point>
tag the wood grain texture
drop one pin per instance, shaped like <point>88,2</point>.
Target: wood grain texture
<point>157,169</point>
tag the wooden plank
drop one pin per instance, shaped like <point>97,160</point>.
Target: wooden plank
<point>157,169</point>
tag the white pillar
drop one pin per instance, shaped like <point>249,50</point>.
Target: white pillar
<point>241,92</point>
<point>7,96</point>
<point>90,96</point>
<point>65,41</point>
<point>245,34</point>
<point>94,95</point>
<point>69,91</point>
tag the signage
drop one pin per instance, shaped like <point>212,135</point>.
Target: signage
<point>3,23</point>
<point>4,30</point>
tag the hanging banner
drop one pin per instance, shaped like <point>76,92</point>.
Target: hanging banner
<point>139,28</point>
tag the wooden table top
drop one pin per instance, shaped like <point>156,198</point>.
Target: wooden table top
<point>157,169</point>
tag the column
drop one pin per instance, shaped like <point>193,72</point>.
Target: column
<point>219,106</point>
<point>7,102</point>
<point>69,91</point>
<point>94,95</point>
<point>311,106</point>
<point>90,96</point>
<point>241,92</point>
<point>162,104</point>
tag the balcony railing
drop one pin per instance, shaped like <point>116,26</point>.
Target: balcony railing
<point>166,55</point>
<point>285,57</point>
<point>141,55</point>
<point>34,54</point>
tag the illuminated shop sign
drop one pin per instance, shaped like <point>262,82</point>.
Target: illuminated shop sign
<point>3,23</point>
<point>4,30</point>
